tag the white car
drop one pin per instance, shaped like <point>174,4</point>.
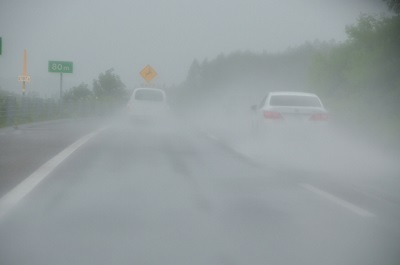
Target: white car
<point>147,104</point>
<point>289,110</point>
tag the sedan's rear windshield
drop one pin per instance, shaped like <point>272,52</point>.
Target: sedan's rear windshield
<point>150,95</point>
<point>294,101</point>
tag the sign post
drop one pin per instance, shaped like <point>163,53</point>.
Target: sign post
<point>61,67</point>
<point>24,78</point>
<point>61,90</point>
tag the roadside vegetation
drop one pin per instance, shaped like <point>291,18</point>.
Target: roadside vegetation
<point>358,79</point>
<point>106,96</point>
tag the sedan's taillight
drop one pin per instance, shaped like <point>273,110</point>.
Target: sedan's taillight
<point>319,117</point>
<point>272,115</point>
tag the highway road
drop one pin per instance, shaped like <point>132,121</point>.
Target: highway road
<point>126,194</point>
<point>25,149</point>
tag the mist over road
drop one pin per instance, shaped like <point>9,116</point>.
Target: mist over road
<point>26,148</point>
<point>178,195</point>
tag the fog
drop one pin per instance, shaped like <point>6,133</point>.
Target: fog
<point>203,169</point>
<point>206,191</point>
<point>169,35</point>
<point>332,150</point>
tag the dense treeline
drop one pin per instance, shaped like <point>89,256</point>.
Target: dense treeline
<point>248,76</point>
<point>107,88</point>
<point>107,95</point>
<point>393,5</point>
<point>359,79</point>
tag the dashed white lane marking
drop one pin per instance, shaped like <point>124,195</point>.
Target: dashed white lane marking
<point>349,206</point>
<point>13,197</point>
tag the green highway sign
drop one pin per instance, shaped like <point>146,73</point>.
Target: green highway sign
<point>60,67</point>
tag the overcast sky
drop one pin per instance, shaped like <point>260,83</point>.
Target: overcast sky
<point>167,34</point>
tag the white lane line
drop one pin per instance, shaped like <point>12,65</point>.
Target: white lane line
<point>13,197</point>
<point>349,206</point>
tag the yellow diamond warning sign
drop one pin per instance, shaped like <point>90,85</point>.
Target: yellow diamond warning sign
<point>148,73</point>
